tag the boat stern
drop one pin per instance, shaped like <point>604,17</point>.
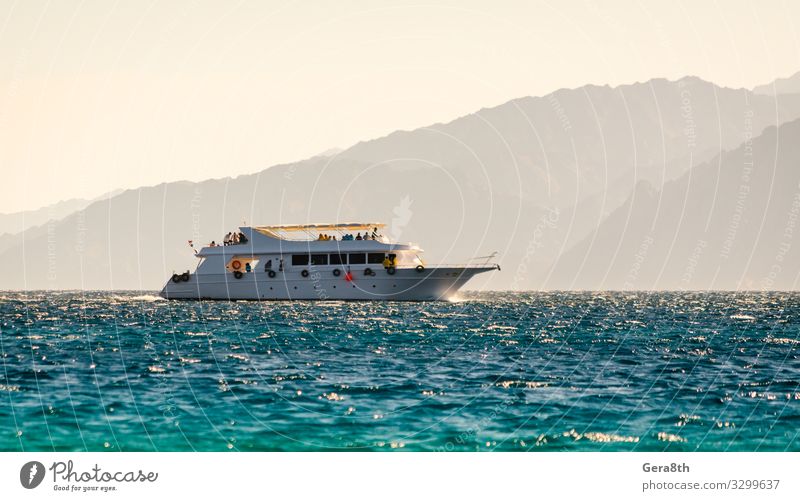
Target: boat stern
<point>180,286</point>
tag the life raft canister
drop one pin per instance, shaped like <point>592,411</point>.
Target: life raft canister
<point>236,264</point>
<point>271,273</point>
<point>337,272</point>
<point>304,273</point>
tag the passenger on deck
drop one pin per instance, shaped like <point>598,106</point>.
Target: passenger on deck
<point>387,263</point>
<point>320,237</point>
<point>248,268</point>
<point>358,236</point>
<point>375,233</point>
<point>235,239</point>
<point>227,240</point>
<point>212,244</point>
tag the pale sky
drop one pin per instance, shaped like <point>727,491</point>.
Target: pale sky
<point>100,95</point>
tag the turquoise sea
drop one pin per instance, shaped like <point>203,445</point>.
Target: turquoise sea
<point>103,371</point>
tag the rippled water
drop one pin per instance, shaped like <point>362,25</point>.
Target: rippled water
<point>499,371</point>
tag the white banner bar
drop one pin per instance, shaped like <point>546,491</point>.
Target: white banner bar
<point>401,476</point>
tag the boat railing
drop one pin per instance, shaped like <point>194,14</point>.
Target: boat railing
<point>475,262</point>
<point>458,265</point>
<point>382,239</point>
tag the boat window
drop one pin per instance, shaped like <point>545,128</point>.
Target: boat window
<point>375,257</point>
<point>319,259</point>
<point>338,258</point>
<point>358,258</point>
<point>299,259</point>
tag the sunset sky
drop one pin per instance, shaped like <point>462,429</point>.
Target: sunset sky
<point>98,95</point>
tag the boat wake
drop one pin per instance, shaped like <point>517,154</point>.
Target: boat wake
<point>147,298</point>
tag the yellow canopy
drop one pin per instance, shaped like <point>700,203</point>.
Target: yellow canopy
<point>319,227</point>
<point>279,230</point>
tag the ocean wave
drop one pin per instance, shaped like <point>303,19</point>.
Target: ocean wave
<point>522,384</point>
<point>663,436</point>
<point>781,340</point>
<point>429,371</point>
<point>600,437</point>
<point>146,298</point>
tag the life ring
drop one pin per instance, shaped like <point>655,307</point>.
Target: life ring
<point>390,270</point>
<point>238,274</point>
<point>337,272</point>
<point>236,264</point>
<point>271,273</point>
<point>420,268</point>
<point>185,276</point>
<point>304,273</point>
<point>176,278</point>
<point>368,272</point>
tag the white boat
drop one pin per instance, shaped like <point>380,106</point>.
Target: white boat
<point>318,262</point>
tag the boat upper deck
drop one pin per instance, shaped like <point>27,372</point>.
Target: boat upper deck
<point>306,237</point>
<point>325,231</point>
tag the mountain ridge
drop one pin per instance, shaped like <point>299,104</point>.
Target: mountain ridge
<point>787,85</point>
<point>740,199</point>
<point>479,183</point>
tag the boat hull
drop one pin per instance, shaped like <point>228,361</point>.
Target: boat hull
<point>431,284</point>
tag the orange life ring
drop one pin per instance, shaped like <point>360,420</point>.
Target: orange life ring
<point>236,264</point>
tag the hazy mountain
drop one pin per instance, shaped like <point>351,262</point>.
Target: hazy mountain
<point>732,223</point>
<point>789,85</point>
<point>530,178</point>
<point>17,222</point>
<point>330,152</point>
<point>572,144</point>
